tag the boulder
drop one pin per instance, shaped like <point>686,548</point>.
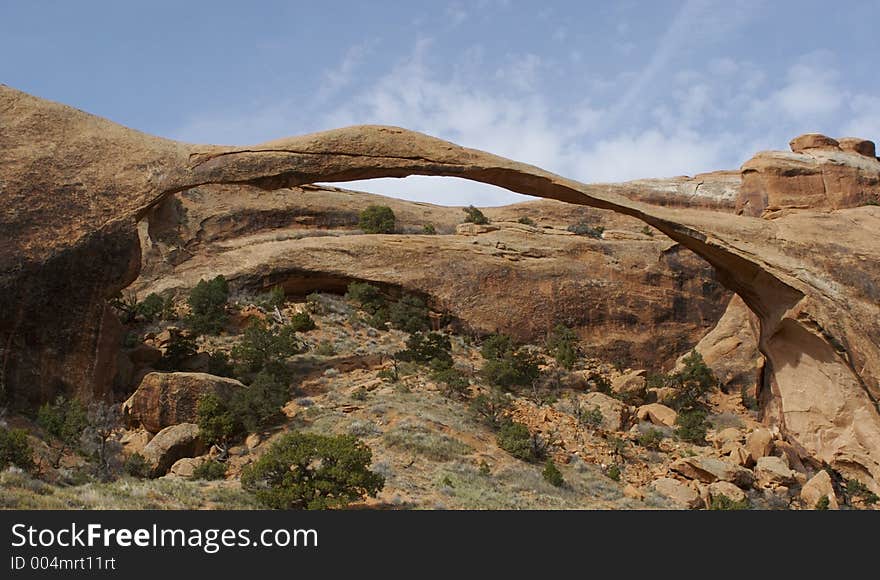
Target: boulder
<point>657,414</point>
<point>816,488</point>
<point>740,456</point>
<point>164,399</point>
<point>759,443</point>
<point>173,443</point>
<point>469,229</point>
<point>135,441</point>
<point>613,411</point>
<point>726,437</point>
<point>812,141</point>
<point>633,492</point>
<point>630,384</point>
<point>726,489</point>
<point>772,471</point>
<point>186,467</point>
<point>711,469</point>
<point>680,494</point>
<point>857,145</point>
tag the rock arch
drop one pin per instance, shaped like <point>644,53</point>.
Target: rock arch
<point>73,186</point>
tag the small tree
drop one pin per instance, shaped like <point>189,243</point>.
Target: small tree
<point>692,426</point>
<point>366,296</point>
<point>136,465</point>
<point>426,347</point>
<point>377,219</point>
<point>259,406</point>
<point>474,216</point>
<point>15,449</point>
<point>310,471</point>
<point>452,379</point>
<point>209,470</point>
<point>181,346</point>
<point>99,438</point>
<point>207,301</point>
<point>265,347</point>
<point>218,425</point>
<point>515,439</point>
<point>302,322</point>
<point>409,314</point>
<point>562,345</point>
<point>552,475</point>
<point>515,369</point>
<point>65,420</point>
<point>151,307</point>
<point>526,221</point>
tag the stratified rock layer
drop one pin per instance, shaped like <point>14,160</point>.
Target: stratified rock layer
<point>74,187</point>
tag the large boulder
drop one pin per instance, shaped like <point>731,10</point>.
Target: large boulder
<point>816,488</point>
<point>613,411</point>
<point>680,494</point>
<point>173,443</point>
<point>807,141</point>
<point>164,399</point>
<point>773,471</point>
<point>711,469</point>
<point>726,489</point>
<point>657,414</point>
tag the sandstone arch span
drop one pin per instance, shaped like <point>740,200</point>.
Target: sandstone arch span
<point>73,187</point>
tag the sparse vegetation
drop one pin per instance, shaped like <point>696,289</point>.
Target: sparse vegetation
<point>582,229</point>
<point>506,365</point>
<point>429,230</point>
<point>136,465</point>
<point>474,216</point>
<point>377,219</point>
<point>302,322</point>
<point>516,439</point>
<point>65,420</point>
<point>856,489</point>
<point>692,426</point>
<point>209,470</point>
<point>526,221</point>
<point>309,471</point>
<point>562,345</point>
<point>724,503</point>
<point>424,441</point>
<point>650,439</point>
<point>265,348</point>
<point>207,303</point>
<point>15,449</point>
<point>273,299</point>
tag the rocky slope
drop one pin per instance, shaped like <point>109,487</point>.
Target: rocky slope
<point>74,187</point>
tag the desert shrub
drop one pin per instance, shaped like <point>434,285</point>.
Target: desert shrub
<point>302,322</point>
<point>136,465</point>
<point>125,304</point>
<point>365,296</point>
<point>151,307</point>
<point>209,470</point>
<point>180,347</point>
<point>590,418</point>
<point>613,472</point>
<point>515,438</point>
<point>273,299</point>
<point>15,449</point>
<point>497,346</point>
<point>265,347</point>
<point>218,425</point>
<point>583,229</point>
<point>259,405</point>
<point>857,489</point>
<point>562,345</point>
<point>409,314</point>
<point>599,383</point>
<point>65,420</point>
<point>648,231</point>
<point>692,384</point>
<point>692,426</point>
<point>490,407</point>
<point>474,216</point>
<point>377,219</point>
<point>220,365</point>
<point>823,503</point>
<point>453,380</point>
<point>527,221</point>
<point>310,471</point>
<point>207,302</point>
<point>425,442</point>
<point>650,439</point>
<point>552,475</point>
<point>429,230</point>
<point>325,348</point>
<point>516,369</point>
<point>426,347</point>
<point>724,503</point>
<point>98,440</point>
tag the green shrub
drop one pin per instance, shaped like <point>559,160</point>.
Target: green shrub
<point>136,465</point>
<point>453,380</point>
<point>325,348</point>
<point>429,230</point>
<point>314,303</point>
<point>823,503</point>
<point>302,322</point>
<point>365,296</point>
<point>515,438</point>
<point>748,401</point>
<point>527,221</point>
<point>650,439</point>
<point>180,347</point>
<point>692,426</point>
<point>490,407</point>
<point>497,346</point>
<point>613,472</point>
<point>552,475</point>
<point>648,231</point>
<point>65,419</point>
<point>562,345</point>
<point>273,299</point>
<point>591,418</point>
<point>207,302</point>
<point>516,369</point>
<point>218,425</point>
<point>583,229</point>
<point>474,216</point>
<point>264,348</point>
<point>855,488</point>
<point>259,405</point>
<point>310,471</point>
<point>409,314</point>
<point>209,470</point>
<point>692,384</point>
<point>151,307</point>
<point>15,449</point>
<point>724,503</point>
<point>425,347</point>
<point>377,219</point>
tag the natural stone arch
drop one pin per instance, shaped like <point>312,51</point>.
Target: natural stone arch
<point>73,187</point>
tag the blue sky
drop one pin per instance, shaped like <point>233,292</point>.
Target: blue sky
<point>597,91</point>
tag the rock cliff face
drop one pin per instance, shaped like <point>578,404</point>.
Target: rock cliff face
<point>639,299</point>
<point>74,186</point>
